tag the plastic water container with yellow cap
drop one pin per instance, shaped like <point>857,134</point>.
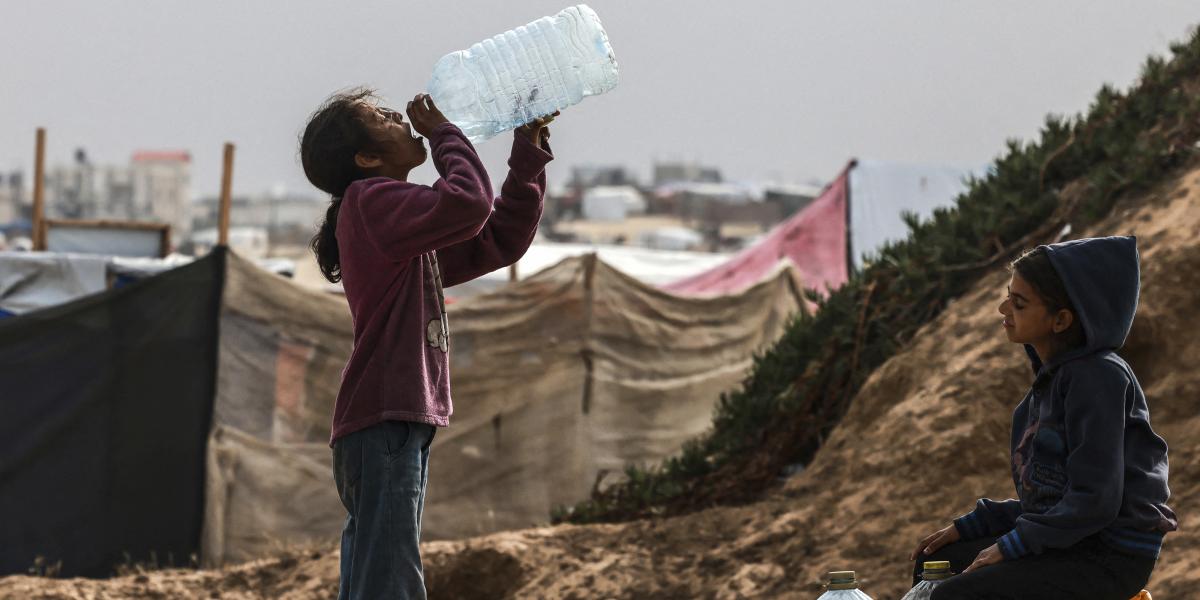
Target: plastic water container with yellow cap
<point>842,585</point>
<point>932,575</point>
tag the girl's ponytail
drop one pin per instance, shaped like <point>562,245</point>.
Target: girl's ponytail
<point>324,244</point>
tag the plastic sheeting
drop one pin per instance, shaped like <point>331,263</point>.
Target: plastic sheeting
<point>281,352</point>
<point>33,280</point>
<point>881,191</point>
<point>813,240</point>
<point>650,266</point>
<point>571,373</point>
<point>855,216</point>
<point>103,419</point>
<point>262,496</point>
<point>563,379</point>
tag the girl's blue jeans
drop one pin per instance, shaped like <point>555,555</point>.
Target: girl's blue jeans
<point>381,473</point>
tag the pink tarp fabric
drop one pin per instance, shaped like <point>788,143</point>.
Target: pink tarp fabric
<point>814,240</point>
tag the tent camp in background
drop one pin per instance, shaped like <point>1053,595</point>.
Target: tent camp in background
<point>217,378</point>
<point>859,212</point>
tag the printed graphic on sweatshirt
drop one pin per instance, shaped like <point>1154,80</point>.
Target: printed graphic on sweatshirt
<point>437,331</point>
<point>1038,467</point>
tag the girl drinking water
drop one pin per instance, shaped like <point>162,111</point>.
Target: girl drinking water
<point>394,245</point>
<point>1090,473</point>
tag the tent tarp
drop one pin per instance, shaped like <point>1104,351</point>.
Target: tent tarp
<point>33,280</point>
<point>650,266</point>
<point>282,351</point>
<point>856,215</point>
<point>579,371</point>
<point>262,496</point>
<point>105,410</point>
<point>813,240</point>
<point>881,190</point>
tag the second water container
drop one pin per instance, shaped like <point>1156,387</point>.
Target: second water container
<point>934,573</point>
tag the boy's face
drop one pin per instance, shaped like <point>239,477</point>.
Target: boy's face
<point>402,150</point>
<point>1027,320</point>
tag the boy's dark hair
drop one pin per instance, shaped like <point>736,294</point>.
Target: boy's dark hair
<point>334,134</point>
<point>1034,267</point>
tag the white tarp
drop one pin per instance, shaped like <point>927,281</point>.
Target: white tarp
<point>649,266</point>
<point>33,280</point>
<point>881,190</point>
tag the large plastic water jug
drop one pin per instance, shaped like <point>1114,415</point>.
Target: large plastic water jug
<point>932,575</point>
<point>842,585</point>
<point>513,78</point>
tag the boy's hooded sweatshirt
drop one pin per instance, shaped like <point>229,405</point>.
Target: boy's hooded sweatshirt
<point>1084,458</point>
<point>399,243</point>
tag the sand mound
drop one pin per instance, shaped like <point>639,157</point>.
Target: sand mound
<point>924,438</point>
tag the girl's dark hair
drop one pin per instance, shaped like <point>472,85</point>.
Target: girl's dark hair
<point>1034,267</point>
<point>334,134</point>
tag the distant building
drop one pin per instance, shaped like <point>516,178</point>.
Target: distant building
<point>153,187</point>
<point>590,176</point>
<point>250,242</point>
<point>14,203</point>
<point>708,206</point>
<point>612,203</point>
<point>159,187</point>
<point>287,218</point>
<point>668,173</point>
<point>569,204</point>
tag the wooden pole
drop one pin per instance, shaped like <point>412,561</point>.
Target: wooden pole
<point>39,192</point>
<point>226,196</point>
<point>512,272</point>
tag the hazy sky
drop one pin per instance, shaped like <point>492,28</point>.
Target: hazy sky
<point>781,90</point>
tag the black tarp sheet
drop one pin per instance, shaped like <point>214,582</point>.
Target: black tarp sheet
<point>105,406</point>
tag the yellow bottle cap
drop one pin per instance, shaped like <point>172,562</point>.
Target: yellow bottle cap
<point>936,569</point>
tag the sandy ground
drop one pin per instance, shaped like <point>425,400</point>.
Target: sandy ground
<point>926,436</point>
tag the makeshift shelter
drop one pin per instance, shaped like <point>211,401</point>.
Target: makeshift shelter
<point>564,378</point>
<point>103,417</point>
<point>859,212</point>
<point>107,402</point>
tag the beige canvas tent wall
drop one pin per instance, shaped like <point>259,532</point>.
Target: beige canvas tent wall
<point>269,475</point>
<point>562,379</point>
<point>569,374</point>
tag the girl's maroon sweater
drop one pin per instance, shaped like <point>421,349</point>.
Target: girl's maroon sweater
<point>399,244</point>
